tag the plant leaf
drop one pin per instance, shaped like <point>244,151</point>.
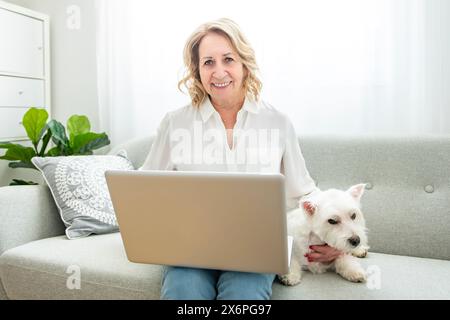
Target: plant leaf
<point>54,152</point>
<point>77,125</point>
<point>34,121</point>
<point>85,143</point>
<point>43,131</point>
<point>59,136</point>
<point>17,182</point>
<point>5,145</point>
<point>20,164</point>
<point>19,152</point>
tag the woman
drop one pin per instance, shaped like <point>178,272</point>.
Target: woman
<point>227,128</point>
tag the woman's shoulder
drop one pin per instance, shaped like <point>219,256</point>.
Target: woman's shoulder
<point>267,109</point>
<point>181,114</point>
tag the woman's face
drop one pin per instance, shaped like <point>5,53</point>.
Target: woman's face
<point>221,69</point>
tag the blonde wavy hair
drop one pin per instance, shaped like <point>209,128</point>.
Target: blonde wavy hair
<point>228,28</point>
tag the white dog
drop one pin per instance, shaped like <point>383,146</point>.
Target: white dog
<point>330,217</point>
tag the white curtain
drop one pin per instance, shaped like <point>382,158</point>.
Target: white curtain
<point>335,67</point>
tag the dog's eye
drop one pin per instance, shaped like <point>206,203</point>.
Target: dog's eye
<point>331,221</point>
<point>353,216</point>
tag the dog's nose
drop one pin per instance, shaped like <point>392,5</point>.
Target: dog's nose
<point>354,241</point>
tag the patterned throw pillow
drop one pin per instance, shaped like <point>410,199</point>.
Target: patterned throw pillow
<point>78,186</point>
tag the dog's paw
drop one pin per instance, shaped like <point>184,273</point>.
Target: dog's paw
<point>361,252</point>
<point>290,279</point>
<point>357,275</point>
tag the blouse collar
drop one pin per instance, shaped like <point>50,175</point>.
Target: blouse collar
<point>207,109</point>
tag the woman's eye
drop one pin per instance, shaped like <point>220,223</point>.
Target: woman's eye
<point>228,59</point>
<point>208,62</point>
<point>353,216</point>
<point>331,221</point>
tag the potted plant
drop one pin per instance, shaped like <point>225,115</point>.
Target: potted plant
<point>79,141</point>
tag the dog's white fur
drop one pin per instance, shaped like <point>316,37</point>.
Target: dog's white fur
<point>310,225</point>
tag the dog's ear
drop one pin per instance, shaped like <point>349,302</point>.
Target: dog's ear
<point>309,207</point>
<point>357,191</point>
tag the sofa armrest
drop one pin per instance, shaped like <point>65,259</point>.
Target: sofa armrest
<point>27,213</point>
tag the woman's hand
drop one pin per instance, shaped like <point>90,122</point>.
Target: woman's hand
<point>323,254</point>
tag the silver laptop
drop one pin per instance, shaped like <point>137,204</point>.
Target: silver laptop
<point>212,220</point>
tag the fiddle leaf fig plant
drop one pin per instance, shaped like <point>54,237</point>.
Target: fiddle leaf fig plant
<point>78,140</point>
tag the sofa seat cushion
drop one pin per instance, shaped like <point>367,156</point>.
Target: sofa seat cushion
<point>41,270</point>
<point>38,270</point>
<point>391,277</point>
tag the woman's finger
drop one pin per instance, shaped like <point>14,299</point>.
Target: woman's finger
<point>330,256</point>
<point>322,248</point>
<point>317,257</point>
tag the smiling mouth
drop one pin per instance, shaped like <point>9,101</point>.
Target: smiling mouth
<point>221,85</point>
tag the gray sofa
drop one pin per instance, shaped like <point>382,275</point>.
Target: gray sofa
<point>406,204</point>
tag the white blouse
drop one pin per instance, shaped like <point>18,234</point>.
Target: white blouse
<point>264,140</point>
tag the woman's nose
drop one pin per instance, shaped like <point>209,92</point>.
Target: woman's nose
<point>220,72</point>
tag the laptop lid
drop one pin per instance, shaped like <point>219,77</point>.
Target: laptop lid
<point>213,220</point>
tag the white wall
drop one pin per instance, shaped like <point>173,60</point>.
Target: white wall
<point>73,67</point>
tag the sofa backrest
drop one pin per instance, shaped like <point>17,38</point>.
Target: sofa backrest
<point>407,201</point>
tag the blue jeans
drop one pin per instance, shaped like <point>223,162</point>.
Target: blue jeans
<point>179,283</point>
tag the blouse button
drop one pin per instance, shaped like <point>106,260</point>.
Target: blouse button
<point>429,188</point>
